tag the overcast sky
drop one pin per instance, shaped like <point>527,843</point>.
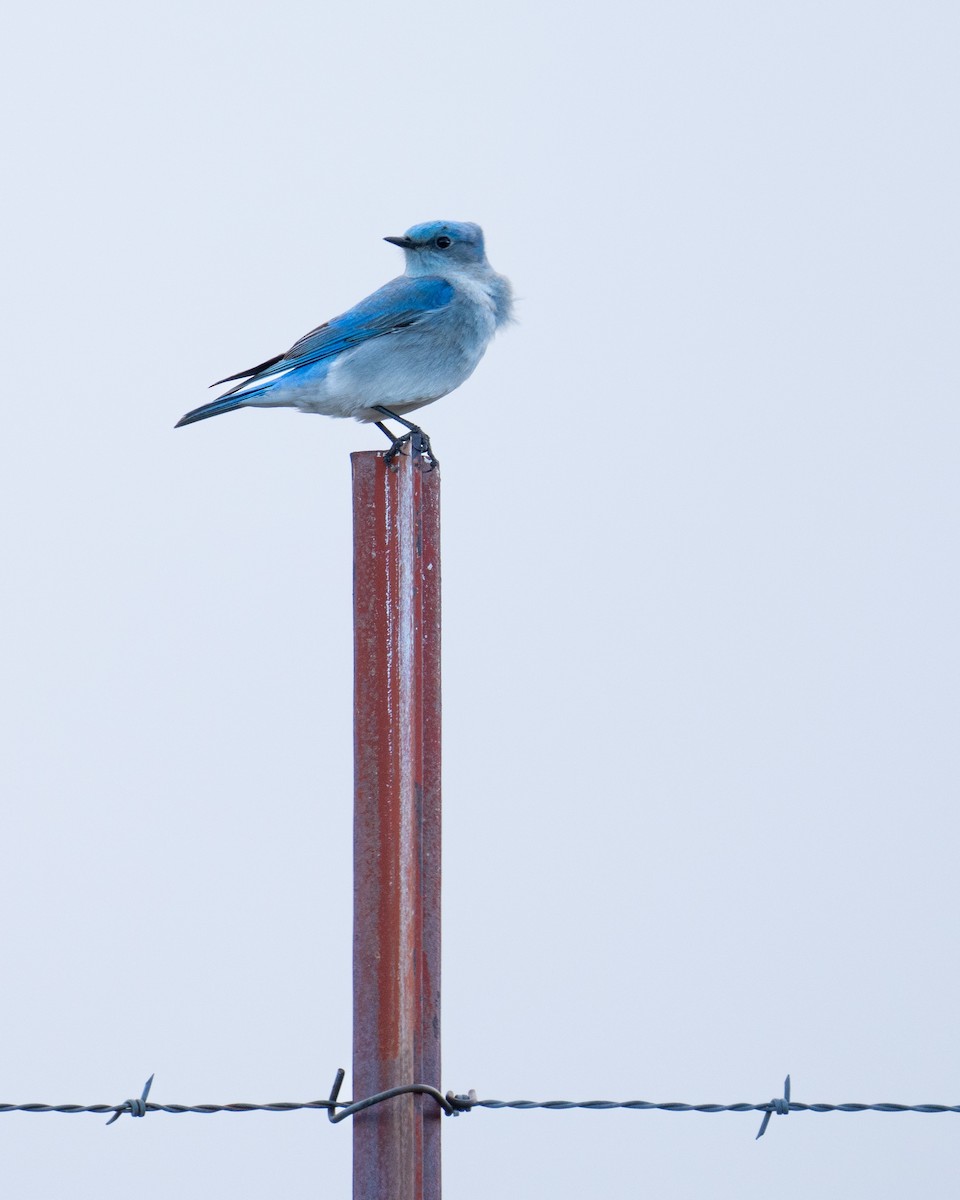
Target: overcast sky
<point>700,586</point>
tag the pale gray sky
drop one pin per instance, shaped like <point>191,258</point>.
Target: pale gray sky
<point>701,590</point>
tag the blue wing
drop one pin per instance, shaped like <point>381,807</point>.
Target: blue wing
<point>398,304</point>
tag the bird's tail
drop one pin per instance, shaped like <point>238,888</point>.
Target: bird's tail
<point>213,409</point>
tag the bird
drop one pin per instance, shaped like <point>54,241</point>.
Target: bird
<point>413,340</point>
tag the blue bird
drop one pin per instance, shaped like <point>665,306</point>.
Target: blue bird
<point>409,343</point>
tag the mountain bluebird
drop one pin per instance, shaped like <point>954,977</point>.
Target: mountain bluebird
<point>409,343</point>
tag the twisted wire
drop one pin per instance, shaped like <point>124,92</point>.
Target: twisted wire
<point>464,1106</point>
<point>676,1106</point>
<point>453,1104</point>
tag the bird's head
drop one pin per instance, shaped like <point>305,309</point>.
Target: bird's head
<point>440,246</point>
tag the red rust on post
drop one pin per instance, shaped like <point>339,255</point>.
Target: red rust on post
<point>396,929</point>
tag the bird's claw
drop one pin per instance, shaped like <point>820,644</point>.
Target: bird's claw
<point>419,446</point>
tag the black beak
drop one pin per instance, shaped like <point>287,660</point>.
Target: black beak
<point>404,243</point>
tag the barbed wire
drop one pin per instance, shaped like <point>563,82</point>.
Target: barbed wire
<point>454,1104</point>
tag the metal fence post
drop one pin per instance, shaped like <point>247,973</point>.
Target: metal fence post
<point>396,951</point>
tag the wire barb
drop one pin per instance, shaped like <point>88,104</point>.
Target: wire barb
<point>461,1104</point>
<point>136,1108</point>
<point>777,1105</point>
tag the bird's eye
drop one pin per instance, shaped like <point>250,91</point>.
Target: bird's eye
<point>443,242</point>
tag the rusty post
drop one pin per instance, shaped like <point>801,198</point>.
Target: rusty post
<point>396,930</point>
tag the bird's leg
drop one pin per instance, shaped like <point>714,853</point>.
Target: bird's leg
<point>419,441</point>
<point>397,442</point>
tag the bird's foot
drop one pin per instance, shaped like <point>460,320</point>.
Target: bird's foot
<point>419,446</point>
